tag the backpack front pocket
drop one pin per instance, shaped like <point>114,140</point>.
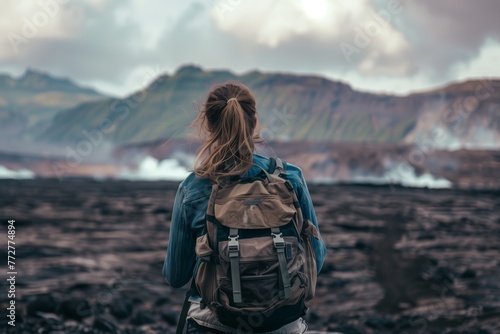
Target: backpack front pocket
<point>256,291</point>
<point>203,249</point>
<point>255,212</point>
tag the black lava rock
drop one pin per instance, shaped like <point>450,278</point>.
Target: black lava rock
<point>327,268</point>
<point>137,300</point>
<point>345,329</point>
<point>132,331</point>
<point>168,315</point>
<point>312,317</point>
<point>161,210</point>
<point>121,308</point>
<point>76,308</point>
<point>476,331</point>
<point>105,325</point>
<point>19,317</point>
<point>143,317</point>
<point>161,301</point>
<point>442,274</point>
<point>379,322</point>
<point>43,303</point>
<point>336,282</point>
<point>361,245</point>
<point>80,286</point>
<point>426,236</point>
<point>468,273</point>
<point>52,324</point>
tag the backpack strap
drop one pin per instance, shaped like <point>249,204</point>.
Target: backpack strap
<point>185,308</point>
<point>280,166</point>
<point>284,279</point>
<point>272,165</point>
<point>276,166</point>
<point>234,258</point>
<point>266,173</point>
<point>210,218</point>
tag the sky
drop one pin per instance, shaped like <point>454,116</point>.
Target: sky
<point>118,46</point>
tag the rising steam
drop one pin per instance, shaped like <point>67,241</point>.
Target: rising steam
<point>152,169</point>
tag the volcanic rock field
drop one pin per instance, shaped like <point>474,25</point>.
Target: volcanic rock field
<point>89,256</point>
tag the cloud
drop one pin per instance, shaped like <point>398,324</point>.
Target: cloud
<point>444,33</point>
<point>343,28</point>
<point>92,41</point>
<point>280,21</point>
<point>109,43</point>
<point>73,35</point>
<point>481,66</point>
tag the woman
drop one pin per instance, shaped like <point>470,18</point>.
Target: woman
<point>229,118</point>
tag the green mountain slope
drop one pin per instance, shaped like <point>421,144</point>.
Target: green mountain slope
<point>290,107</point>
<point>28,103</point>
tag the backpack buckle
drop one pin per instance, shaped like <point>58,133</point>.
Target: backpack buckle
<point>278,240</point>
<point>233,244</point>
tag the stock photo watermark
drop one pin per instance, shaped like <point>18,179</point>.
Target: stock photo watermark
<point>96,305</point>
<point>33,24</point>
<point>278,122</point>
<point>119,111</point>
<point>226,6</point>
<point>364,34</point>
<point>11,272</point>
<point>448,295</point>
<point>453,120</point>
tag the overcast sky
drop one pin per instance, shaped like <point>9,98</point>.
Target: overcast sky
<point>384,46</point>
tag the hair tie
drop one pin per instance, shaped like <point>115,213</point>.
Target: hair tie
<point>233,98</point>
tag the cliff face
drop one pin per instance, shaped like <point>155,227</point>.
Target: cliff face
<point>293,107</point>
<point>459,115</point>
<point>28,103</point>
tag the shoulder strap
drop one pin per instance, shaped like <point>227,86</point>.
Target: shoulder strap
<point>185,308</point>
<point>276,166</point>
<point>210,217</point>
<point>272,165</point>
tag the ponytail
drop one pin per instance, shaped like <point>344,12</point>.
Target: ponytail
<point>230,118</point>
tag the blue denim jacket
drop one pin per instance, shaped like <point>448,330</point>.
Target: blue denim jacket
<point>188,220</point>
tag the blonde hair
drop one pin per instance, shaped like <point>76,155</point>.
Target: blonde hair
<point>229,120</point>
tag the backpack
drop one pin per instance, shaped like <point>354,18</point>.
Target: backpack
<point>257,265</point>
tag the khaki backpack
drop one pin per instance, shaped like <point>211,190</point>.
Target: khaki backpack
<point>258,265</point>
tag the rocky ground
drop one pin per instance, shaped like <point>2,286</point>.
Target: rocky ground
<point>89,256</point>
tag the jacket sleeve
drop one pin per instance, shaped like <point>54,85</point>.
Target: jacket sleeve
<point>180,258</point>
<point>308,212</point>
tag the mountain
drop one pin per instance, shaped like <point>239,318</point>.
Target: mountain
<point>295,107</point>
<point>28,103</point>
